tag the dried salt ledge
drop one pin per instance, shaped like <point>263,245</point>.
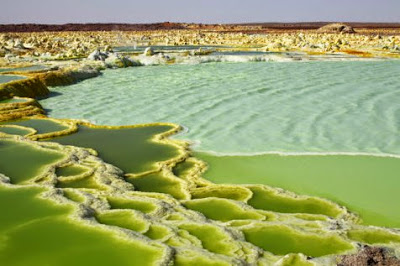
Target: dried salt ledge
<point>35,82</point>
<point>24,68</point>
<point>28,87</point>
<point>18,107</point>
<point>161,211</point>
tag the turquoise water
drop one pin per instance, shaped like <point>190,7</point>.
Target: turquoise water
<point>253,107</point>
<point>8,78</point>
<point>24,69</point>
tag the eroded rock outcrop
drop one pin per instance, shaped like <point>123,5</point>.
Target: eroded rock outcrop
<point>337,28</point>
<point>372,256</point>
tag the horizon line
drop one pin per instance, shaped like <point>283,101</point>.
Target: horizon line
<point>200,23</point>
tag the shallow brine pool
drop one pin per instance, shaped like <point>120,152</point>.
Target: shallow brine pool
<point>347,108</point>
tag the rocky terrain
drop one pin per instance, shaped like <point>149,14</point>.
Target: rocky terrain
<point>69,56</point>
<point>61,44</point>
<point>380,28</point>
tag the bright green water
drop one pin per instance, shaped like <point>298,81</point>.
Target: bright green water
<point>158,182</point>
<point>212,238</point>
<point>13,100</point>
<point>42,126</point>
<point>140,205</point>
<point>130,149</point>
<point>280,239</point>
<point>236,108</point>
<point>70,170</point>
<point>222,210</point>
<point>85,182</point>
<point>123,219</point>
<point>15,131</point>
<point>367,185</point>
<point>183,168</point>
<point>26,206</point>
<point>46,236</point>
<point>22,162</point>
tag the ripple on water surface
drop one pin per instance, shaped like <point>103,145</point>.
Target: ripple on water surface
<point>295,106</point>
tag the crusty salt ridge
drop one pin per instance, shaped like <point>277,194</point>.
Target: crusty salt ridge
<point>96,202</point>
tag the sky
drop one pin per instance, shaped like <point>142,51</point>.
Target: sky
<point>199,11</point>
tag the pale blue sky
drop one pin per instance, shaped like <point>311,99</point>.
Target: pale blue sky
<point>202,11</point>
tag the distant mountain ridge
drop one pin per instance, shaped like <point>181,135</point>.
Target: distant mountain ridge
<point>31,27</point>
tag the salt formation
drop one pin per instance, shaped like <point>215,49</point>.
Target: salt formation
<point>167,206</point>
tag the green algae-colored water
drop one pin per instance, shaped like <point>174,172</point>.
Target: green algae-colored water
<point>22,162</point>
<point>70,170</point>
<point>212,238</point>
<point>268,199</point>
<point>42,126</point>
<point>127,212</point>
<point>159,183</point>
<point>13,100</point>
<point>130,149</point>
<point>23,205</point>
<point>202,221</point>
<point>15,130</point>
<point>249,108</point>
<point>222,210</point>
<point>281,240</point>
<point>85,182</point>
<point>123,219</point>
<point>46,235</point>
<point>140,205</point>
<point>365,184</point>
